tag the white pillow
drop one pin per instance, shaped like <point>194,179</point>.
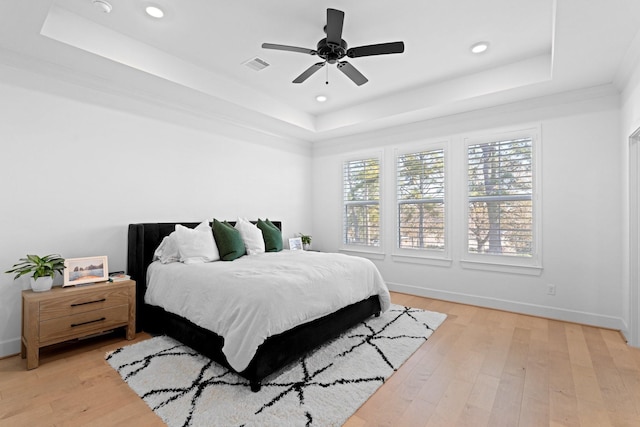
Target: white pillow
<point>168,250</point>
<point>251,235</point>
<point>196,245</point>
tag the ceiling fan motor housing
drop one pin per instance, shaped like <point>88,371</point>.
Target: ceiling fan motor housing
<point>333,48</point>
<point>331,52</point>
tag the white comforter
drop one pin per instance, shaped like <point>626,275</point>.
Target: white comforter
<point>254,297</point>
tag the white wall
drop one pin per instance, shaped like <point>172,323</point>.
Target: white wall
<point>74,174</point>
<point>582,202</point>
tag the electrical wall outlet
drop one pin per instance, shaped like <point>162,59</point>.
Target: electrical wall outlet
<point>551,289</point>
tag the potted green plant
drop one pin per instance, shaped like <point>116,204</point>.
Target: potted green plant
<point>306,241</point>
<point>41,269</point>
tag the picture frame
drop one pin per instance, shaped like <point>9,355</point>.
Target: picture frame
<point>295,243</point>
<point>80,271</point>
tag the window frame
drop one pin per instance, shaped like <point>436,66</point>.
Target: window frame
<point>421,255</point>
<point>531,265</point>
<point>375,252</point>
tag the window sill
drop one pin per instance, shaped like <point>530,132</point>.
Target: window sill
<point>362,253</point>
<point>425,260</point>
<point>528,270</point>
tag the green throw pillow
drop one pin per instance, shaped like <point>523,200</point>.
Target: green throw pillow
<point>271,234</point>
<point>229,241</point>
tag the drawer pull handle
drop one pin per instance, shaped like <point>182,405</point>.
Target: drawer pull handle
<point>73,325</point>
<point>88,302</point>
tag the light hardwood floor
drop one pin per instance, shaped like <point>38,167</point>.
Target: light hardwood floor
<point>482,367</point>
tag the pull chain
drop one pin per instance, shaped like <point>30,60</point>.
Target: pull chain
<point>327,78</point>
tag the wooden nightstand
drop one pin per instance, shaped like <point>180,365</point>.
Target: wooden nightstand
<point>63,314</point>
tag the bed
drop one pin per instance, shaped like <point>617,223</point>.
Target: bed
<point>274,353</point>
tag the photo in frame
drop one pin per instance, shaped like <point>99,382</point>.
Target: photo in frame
<point>295,243</point>
<point>80,271</point>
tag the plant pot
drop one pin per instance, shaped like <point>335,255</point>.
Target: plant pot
<point>41,284</point>
<point>306,246</point>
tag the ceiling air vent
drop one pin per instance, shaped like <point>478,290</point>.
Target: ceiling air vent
<point>256,64</point>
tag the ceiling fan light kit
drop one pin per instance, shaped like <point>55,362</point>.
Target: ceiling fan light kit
<point>332,49</point>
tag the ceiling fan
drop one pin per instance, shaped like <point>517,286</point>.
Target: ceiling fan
<point>332,49</point>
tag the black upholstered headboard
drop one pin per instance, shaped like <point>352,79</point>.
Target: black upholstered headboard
<point>144,238</point>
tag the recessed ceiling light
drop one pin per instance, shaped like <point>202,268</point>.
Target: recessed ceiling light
<point>154,11</point>
<point>102,5</point>
<point>480,47</point>
<point>321,98</point>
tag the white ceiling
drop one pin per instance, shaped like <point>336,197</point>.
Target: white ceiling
<point>193,57</point>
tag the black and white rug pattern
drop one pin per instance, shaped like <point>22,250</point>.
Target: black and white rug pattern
<point>324,388</point>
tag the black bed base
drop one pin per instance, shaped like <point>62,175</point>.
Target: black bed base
<point>276,352</point>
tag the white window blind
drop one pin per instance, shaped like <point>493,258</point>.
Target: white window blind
<point>500,198</point>
<point>421,200</point>
<point>361,180</point>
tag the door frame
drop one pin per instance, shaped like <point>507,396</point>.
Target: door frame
<point>634,239</point>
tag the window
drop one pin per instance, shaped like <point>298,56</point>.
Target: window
<point>421,200</point>
<point>500,196</point>
<point>361,207</point>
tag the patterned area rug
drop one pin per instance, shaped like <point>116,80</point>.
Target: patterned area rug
<point>324,388</point>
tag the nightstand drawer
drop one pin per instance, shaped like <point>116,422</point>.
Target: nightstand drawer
<point>83,302</point>
<point>62,328</point>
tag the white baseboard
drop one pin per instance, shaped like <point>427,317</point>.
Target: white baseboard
<point>9,347</point>
<point>12,347</point>
<point>585,318</point>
